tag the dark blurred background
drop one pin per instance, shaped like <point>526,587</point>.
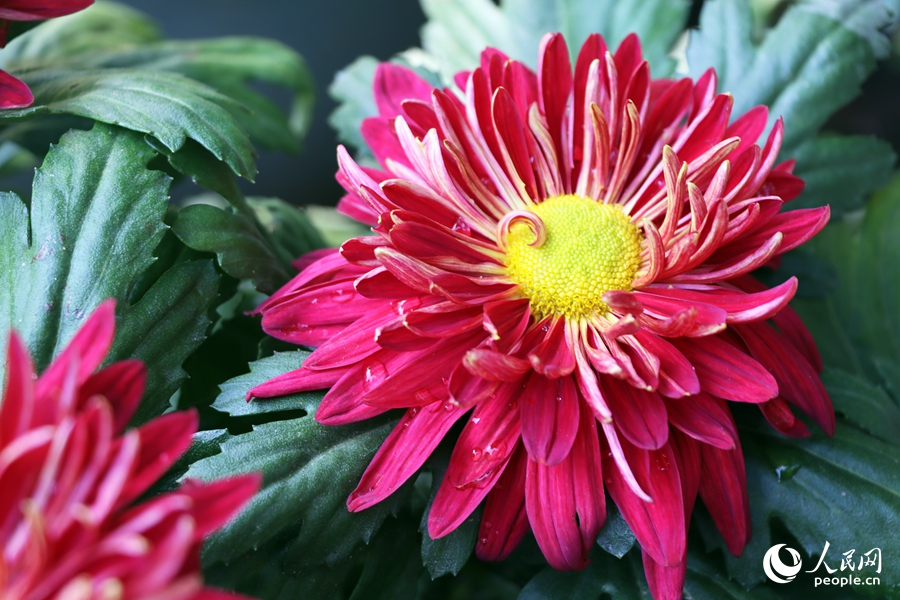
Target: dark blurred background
<point>329,35</point>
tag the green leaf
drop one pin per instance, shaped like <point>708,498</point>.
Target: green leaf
<point>615,537</point>
<point>457,32</point>
<point>170,107</point>
<point>241,251</point>
<point>867,405</point>
<point>291,229</point>
<point>619,579</point>
<point>352,90</point>
<point>859,323</point>
<point>95,217</point>
<point>804,69</point>
<point>843,489</point>
<point>446,555</point>
<point>233,397</point>
<point>164,328</point>
<point>841,171</point>
<point>103,25</point>
<point>308,472</point>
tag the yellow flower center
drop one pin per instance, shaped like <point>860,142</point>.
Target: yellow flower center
<point>590,249</point>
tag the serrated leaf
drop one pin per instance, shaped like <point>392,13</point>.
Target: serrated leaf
<point>240,248</point>
<point>168,106</point>
<point>446,555</point>
<point>804,69</point>
<point>843,489</point>
<point>859,323</point>
<point>227,65</point>
<point>841,171</point>
<point>308,472</point>
<point>163,328</point>
<point>867,405</point>
<point>95,217</point>
<point>233,398</point>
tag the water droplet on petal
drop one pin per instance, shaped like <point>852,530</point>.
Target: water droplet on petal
<point>513,405</point>
<point>374,375</point>
<point>484,540</point>
<point>476,454</point>
<point>462,226</point>
<point>343,296</point>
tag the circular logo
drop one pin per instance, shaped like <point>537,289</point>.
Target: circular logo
<point>776,570</point>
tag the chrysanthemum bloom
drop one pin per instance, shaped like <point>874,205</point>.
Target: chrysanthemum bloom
<point>69,525</point>
<point>563,259</point>
<point>13,92</point>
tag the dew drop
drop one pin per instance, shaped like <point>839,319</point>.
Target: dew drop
<point>487,525</point>
<point>483,540</point>
<point>475,420</point>
<point>462,226</point>
<point>414,411</point>
<point>662,462</point>
<point>785,472</point>
<point>375,374</point>
<point>512,405</point>
<point>342,296</point>
<point>477,454</point>
<point>424,396</point>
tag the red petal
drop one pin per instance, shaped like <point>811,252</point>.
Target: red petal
<point>504,521</point>
<point>405,450</point>
<point>665,583</point>
<point>677,376</point>
<point>565,502</point>
<point>217,502</point>
<point>13,92</point>
<point>393,84</point>
<point>553,358</point>
<point>639,414</point>
<point>38,10</point>
<point>659,526</point>
<point>797,381</point>
<point>704,418</point>
<point>723,487</point>
<point>121,383</point>
<point>162,441</point>
<point>779,415</point>
<point>486,441</point>
<point>18,396</point>
<point>495,366</point>
<point>726,372</point>
<point>549,409</point>
<point>87,349</point>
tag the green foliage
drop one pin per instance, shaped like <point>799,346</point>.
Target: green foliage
<point>299,521</point>
<point>94,220</point>
<point>241,250</point>
<point>807,66</point>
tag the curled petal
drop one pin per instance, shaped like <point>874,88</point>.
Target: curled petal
<point>528,218</point>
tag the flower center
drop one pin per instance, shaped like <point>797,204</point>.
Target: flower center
<point>588,249</point>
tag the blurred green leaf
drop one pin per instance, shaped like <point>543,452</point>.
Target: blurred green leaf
<point>104,25</point>
<point>864,403</point>
<point>841,171</point>
<point>290,228</point>
<point>94,221</point>
<point>352,90</point>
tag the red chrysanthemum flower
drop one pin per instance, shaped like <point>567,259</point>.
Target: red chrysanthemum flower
<point>69,525</point>
<point>13,92</point>
<point>565,259</point>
